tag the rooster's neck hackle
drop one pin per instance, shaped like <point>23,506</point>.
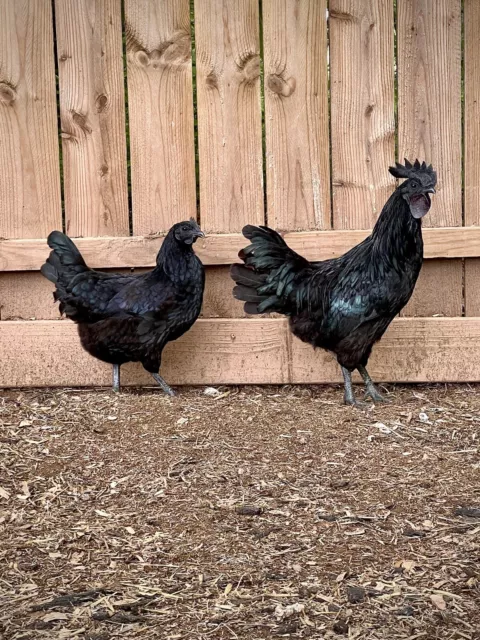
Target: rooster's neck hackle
<point>397,233</point>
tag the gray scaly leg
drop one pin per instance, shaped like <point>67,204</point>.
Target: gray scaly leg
<point>349,397</point>
<point>116,378</point>
<point>158,378</point>
<point>370,389</point>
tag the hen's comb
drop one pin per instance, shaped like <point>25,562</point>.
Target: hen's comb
<point>409,170</point>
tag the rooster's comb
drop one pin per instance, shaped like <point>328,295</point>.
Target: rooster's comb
<point>409,170</point>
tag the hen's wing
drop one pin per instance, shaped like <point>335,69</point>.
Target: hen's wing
<point>87,296</point>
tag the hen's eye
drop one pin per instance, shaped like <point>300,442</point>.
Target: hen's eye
<point>184,228</point>
<point>414,185</point>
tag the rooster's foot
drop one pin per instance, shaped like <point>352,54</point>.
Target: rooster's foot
<point>376,396</point>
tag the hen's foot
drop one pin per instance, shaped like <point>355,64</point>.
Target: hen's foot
<point>168,390</point>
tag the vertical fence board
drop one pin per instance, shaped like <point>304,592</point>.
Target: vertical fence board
<point>160,99</point>
<point>229,114</point>
<point>92,112</point>
<point>296,114</point>
<point>362,110</point>
<point>472,147</point>
<point>29,166</point>
<point>429,115</point>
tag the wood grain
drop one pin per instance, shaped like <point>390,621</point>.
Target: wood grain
<point>160,100</point>
<point>362,108</point>
<point>229,115</point>
<point>115,253</point>
<point>429,116</point>
<point>92,112</point>
<point>218,300</point>
<point>445,305</point>
<point>472,146</point>
<point>226,350</point>
<point>412,350</point>
<point>48,353</point>
<point>29,166</point>
<point>296,114</point>
<point>27,295</point>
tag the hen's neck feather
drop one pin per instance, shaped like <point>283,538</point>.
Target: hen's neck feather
<point>174,257</point>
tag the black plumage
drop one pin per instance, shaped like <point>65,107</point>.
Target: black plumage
<point>345,304</point>
<point>130,318</point>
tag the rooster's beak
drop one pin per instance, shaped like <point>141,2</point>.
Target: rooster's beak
<point>430,191</point>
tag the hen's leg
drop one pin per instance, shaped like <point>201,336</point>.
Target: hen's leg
<point>370,389</point>
<point>158,378</point>
<point>348,396</point>
<point>116,378</point>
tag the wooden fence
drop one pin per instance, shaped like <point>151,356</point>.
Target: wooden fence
<point>119,119</point>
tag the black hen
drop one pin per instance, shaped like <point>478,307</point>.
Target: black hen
<point>345,304</point>
<point>127,318</point>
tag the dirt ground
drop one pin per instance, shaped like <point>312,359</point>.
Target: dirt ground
<point>258,513</point>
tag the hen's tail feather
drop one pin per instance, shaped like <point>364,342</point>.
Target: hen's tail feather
<point>65,249</point>
<point>49,271</point>
<point>266,280</point>
<point>64,259</point>
<point>62,265</point>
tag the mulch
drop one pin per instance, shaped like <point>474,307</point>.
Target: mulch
<point>255,512</point>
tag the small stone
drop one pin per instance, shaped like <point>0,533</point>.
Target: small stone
<point>211,392</point>
<point>355,594</point>
<point>469,512</point>
<point>248,510</point>
<point>339,484</point>
<point>413,533</point>
<point>328,517</point>
<point>341,627</point>
<point>405,611</point>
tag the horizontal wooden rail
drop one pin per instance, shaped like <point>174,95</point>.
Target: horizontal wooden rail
<point>256,351</point>
<point>114,253</point>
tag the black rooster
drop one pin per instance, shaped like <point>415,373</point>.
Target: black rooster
<point>127,318</point>
<point>345,304</point>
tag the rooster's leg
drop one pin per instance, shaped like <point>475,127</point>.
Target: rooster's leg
<point>116,378</point>
<point>370,389</point>
<point>158,378</point>
<point>349,397</point>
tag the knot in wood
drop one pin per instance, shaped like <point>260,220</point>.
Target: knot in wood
<point>249,67</point>
<point>81,120</point>
<point>101,103</point>
<point>179,50</point>
<point>142,58</point>
<point>8,95</point>
<point>342,15</point>
<point>211,80</point>
<point>282,87</point>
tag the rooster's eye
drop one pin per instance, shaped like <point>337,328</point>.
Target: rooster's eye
<point>414,185</point>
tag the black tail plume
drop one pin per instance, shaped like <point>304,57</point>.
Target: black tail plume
<point>64,259</point>
<point>266,280</point>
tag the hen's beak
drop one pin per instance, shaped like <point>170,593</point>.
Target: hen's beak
<point>200,234</point>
